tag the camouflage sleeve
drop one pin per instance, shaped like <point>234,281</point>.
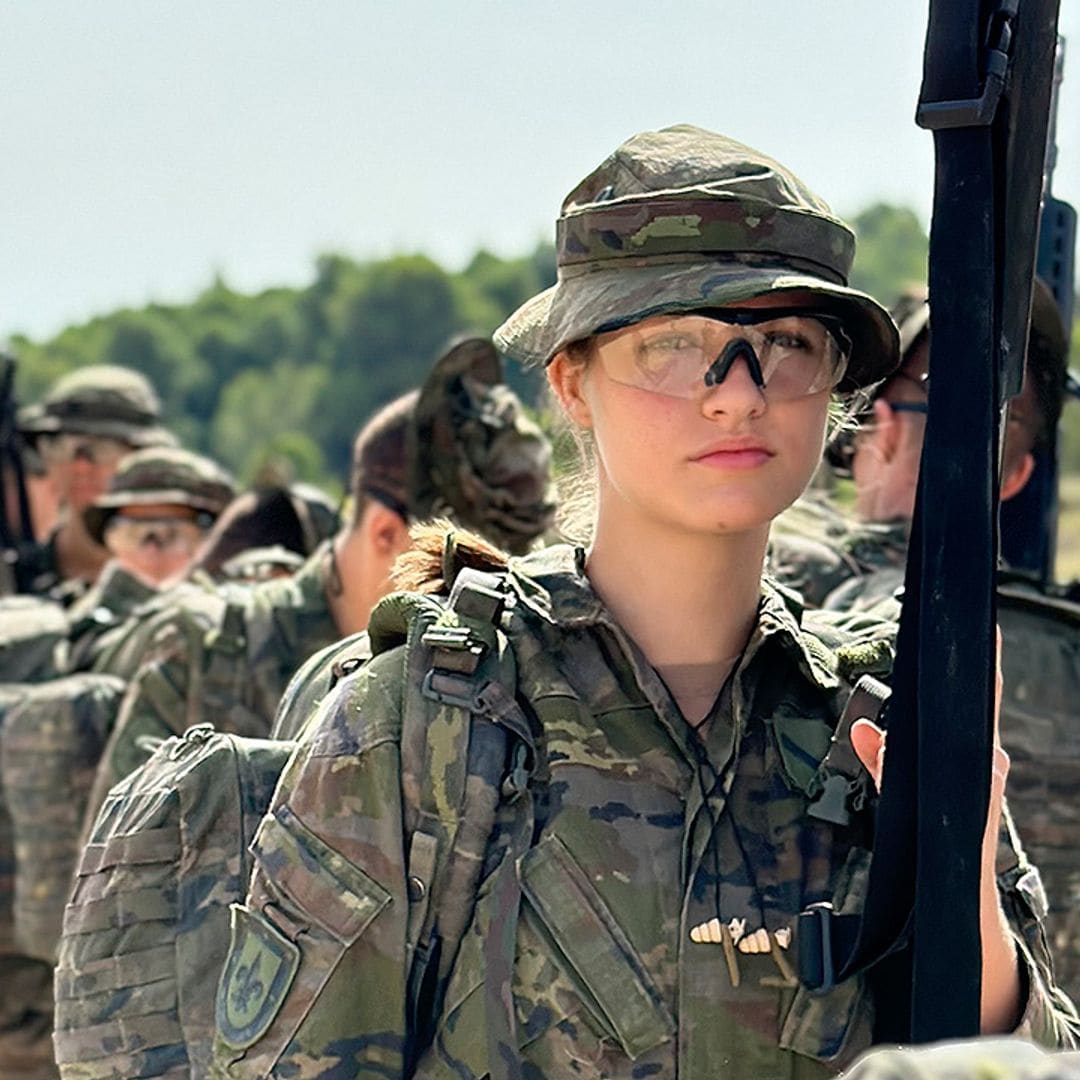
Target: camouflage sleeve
<point>314,984</point>
<point>157,704</point>
<point>1049,1017</point>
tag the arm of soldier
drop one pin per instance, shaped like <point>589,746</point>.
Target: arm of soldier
<point>155,706</point>
<point>1018,992</point>
<point>315,979</point>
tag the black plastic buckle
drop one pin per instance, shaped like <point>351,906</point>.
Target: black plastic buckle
<point>980,111</point>
<point>815,947</point>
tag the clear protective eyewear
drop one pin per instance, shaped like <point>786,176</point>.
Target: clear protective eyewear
<point>65,447</point>
<point>790,352</point>
<point>127,534</point>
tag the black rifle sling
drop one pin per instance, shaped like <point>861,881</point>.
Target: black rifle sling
<point>984,64</point>
<point>12,534</point>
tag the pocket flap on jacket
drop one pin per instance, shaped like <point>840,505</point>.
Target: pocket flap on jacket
<point>330,890</point>
<point>595,947</point>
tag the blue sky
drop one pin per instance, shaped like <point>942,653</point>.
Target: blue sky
<point>147,146</point>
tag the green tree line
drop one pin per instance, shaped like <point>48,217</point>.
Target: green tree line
<point>287,375</point>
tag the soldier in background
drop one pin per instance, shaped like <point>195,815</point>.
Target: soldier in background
<point>82,429</point>
<point>152,519</point>
<point>284,522</point>
<point>847,561</point>
<point>460,447</point>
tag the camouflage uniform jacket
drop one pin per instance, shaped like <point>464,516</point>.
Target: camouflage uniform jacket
<point>819,551</point>
<point>224,657</point>
<point>97,617</point>
<point>644,836</point>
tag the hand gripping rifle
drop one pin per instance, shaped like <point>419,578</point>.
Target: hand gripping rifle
<point>985,96</point>
<point>16,530</point>
<point>1029,519</point>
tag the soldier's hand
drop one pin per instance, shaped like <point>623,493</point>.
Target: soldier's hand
<point>868,742</point>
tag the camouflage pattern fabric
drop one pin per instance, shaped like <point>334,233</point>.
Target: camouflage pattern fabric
<point>147,927</point>
<point>26,999</point>
<point>650,845</point>
<point>31,631</point>
<point>99,399</point>
<point>51,743</point>
<point>98,617</point>
<point>1041,670</point>
<point>45,730</point>
<point>224,657</point>
<point>473,454</point>
<point>1040,664</point>
<point>819,551</point>
<point>684,218</point>
<point>978,1059</point>
<point>314,680</point>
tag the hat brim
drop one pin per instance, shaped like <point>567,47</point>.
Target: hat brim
<point>34,422</point>
<point>96,516</point>
<point>577,306</point>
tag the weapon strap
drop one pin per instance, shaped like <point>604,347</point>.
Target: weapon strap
<point>924,877</point>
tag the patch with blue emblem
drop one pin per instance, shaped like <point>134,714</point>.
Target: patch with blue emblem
<point>261,966</point>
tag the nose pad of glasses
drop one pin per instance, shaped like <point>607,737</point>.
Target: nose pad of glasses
<point>720,367</point>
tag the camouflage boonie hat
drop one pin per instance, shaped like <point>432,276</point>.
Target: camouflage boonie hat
<point>162,475</point>
<point>473,455</point>
<point>911,313</point>
<point>684,218</point>
<point>101,399</point>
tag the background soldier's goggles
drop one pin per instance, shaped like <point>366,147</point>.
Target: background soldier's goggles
<point>67,446</point>
<point>179,533</point>
<point>791,352</point>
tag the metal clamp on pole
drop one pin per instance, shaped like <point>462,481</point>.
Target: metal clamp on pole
<point>980,111</point>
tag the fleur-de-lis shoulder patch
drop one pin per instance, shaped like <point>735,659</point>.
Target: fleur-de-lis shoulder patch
<point>260,968</point>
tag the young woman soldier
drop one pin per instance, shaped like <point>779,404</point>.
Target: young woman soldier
<point>679,709</point>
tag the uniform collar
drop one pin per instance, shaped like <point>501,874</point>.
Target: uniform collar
<point>553,585</point>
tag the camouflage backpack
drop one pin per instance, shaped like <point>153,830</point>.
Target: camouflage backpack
<point>146,932</point>
<point>31,631</point>
<point>49,750</point>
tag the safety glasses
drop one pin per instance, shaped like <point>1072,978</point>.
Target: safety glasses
<point>128,534</point>
<point>790,352</point>
<point>66,447</point>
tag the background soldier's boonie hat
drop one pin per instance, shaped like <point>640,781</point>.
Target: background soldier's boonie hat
<point>101,399</point>
<point>473,455</point>
<point>684,218</point>
<point>166,475</point>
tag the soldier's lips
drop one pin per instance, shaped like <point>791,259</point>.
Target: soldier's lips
<point>735,456</point>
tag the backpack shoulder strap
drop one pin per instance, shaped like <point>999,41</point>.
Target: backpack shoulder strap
<point>468,751</point>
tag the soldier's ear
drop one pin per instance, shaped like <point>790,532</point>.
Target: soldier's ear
<point>387,531</point>
<point>566,377</point>
<point>1015,480</point>
<point>886,430</point>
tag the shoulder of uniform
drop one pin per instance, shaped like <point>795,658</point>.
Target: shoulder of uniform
<point>314,679</point>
